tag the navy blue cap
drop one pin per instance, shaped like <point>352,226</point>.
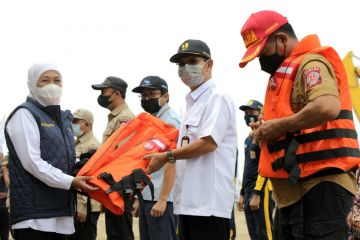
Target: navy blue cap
<point>253,105</point>
<point>153,82</point>
<point>192,47</point>
<point>111,82</point>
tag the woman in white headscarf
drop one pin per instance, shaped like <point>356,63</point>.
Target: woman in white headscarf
<point>41,152</point>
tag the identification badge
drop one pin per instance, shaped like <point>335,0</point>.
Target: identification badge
<point>185,140</point>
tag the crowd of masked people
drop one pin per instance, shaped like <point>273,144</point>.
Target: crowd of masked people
<point>300,162</point>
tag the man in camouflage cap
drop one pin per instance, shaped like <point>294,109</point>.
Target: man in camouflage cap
<point>85,223</point>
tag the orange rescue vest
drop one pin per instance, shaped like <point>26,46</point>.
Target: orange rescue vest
<point>118,166</point>
<point>326,149</point>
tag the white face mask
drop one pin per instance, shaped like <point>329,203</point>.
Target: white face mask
<point>191,75</point>
<point>48,95</point>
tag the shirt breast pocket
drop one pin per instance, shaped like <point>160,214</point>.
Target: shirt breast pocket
<point>192,126</point>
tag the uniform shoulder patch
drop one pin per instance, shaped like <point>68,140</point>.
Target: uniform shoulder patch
<point>312,77</point>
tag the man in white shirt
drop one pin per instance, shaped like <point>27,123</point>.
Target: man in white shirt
<point>41,156</point>
<point>206,153</point>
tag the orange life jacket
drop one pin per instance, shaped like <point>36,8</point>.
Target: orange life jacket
<point>114,162</point>
<point>329,147</point>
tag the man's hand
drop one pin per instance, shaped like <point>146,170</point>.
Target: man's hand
<point>81,217</point>
<point>7,181</point>
<point>255,202</point>
<point>135,211</point>
<point>240,204</point>
<point>158,209</point>
<point>157,161</point>
<point>256,125</point>
<point>80,182</point>
<point>269,130</point>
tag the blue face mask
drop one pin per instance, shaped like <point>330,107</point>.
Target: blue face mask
<point>77,130</point>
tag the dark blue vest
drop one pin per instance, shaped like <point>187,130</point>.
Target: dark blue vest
<point>29,197</point>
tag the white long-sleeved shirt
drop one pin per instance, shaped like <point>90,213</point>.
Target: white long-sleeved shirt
<point>25,136</point>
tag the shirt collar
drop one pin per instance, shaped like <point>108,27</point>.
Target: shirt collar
<point>85,137</point>
<point>163,109</point>
<point>118,109</point>
<point>201,89</point>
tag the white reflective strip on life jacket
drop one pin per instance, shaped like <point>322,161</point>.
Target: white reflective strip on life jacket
<point>286,70</point>
<point>159,144</point>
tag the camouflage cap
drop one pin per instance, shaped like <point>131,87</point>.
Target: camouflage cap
<point>84,114</point>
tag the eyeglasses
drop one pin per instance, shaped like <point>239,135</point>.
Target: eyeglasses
<point>190,61</point>
<point>150,95</point>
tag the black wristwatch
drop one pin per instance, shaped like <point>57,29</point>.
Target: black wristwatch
<point>170,157</point>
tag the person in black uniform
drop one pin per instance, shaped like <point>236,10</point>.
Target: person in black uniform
<point>255,196</point>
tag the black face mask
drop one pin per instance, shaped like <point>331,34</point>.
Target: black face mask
<point>104,101</point>
<point>151,105</point>
<point>271,63</point>
<point>250,118</point>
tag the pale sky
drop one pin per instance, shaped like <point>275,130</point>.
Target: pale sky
<point>90,40</point>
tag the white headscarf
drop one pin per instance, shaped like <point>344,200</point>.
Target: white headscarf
<point>47,95</point>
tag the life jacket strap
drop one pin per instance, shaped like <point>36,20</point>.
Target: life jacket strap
<point>292,158</point>
<point>345,114</point>
<point>129,186</point>
<point>288,162</point>
<point>315,136</point>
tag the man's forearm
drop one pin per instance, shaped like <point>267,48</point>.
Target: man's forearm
<point>168,181</point>
<point>322,109</point>
<point>195,149</point>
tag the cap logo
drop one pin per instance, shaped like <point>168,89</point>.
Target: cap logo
<point>184,46</point>
<point>249,38</point>
<point>146,83</point>
<point>250,102</point>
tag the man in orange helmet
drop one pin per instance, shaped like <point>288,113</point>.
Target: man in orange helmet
<point>309,142</point>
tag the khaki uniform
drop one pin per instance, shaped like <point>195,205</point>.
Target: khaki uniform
<point>119,115</point>
<point>82,145</point>
<point>283,193</point>
<point>118,226</point>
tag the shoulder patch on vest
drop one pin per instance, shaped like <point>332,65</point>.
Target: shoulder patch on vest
<point>312,77</point>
